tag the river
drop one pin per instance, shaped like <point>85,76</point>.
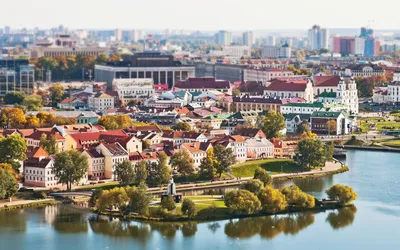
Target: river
<point>372,224</point>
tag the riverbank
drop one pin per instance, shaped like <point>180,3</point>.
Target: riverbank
<point>215,214</point>
<point>369,148</point>
<point>26,203</point>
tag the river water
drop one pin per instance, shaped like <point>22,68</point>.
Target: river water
<point>372,224</point>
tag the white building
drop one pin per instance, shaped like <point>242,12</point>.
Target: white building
<point>271,41</point>
<point>265,74</point>
<point>300,108</point>
<point>232,51</point>
<point>276,52</point>
<point>133,88</point>
<point>38,172</point>
<point>301,88</point>
<point>197,151</point>
<point>100,102</point>
<point>260,147</point>
<point>389,94</point>
<point>318,38</point>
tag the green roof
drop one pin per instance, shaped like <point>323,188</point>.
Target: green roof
<point>328,94</point>
<point>305,105</point>
<point>302,116</point>
<point>325,114</point>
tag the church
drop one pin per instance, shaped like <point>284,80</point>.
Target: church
<point>337,90</point>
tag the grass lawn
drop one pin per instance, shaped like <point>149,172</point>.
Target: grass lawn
<point>395,143</point>
<point>275,166</point>
<point>380,124</point>
<point>110,184</point>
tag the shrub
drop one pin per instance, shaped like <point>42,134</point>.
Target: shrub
<point>189,208</point>
<point>297,198</point>
<point>253,186</point>
<point>263,176</point>
<point>242,201</point>
<point>168,203</point>
<point>40,195</point>
<point>342,193</point>
<point>272,200</point>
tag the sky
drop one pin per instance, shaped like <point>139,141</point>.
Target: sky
<point>200,14</point>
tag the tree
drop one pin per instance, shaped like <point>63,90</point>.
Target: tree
<point>12,117</point>
<point>271,124</point>
<point>224,159</point>
<point>311,153</point>
<point>168,203</point>
<point>189,208</point>
<point>32,122</point>
<point>33,103</point>
<point>297,198</point>
<point>125,173</point>
<point>329,150</point>
<point>207,165</point>
<point>308,134</point>
<point>161,172</point>
<point>272,200</point>
<point>14,97</point>
<point>12,150</point>
<point>331,126</point>
<point>184,126</point>
<point>242,201</point>
<point>182,161</point>
<point>139,199</point>
<point>48,144</point>
<point>115,198</point>
<point>111,122</point>
<point>101,59</point>
<point>70,167</point>
<point>141,172</point>
<point>262,175</point>
<point>253,186</point>
<point>236,92</point>
<point>302,128</point>
<point>56,93</point>
<point>8,184</point>
<point>342,193</point>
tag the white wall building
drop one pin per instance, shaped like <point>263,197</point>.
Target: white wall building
<point>260,147</point>
<point>276,52</point>
<point>223,37</point>
<point>133,88</point>
<point>231,51</point>
<point>265,74</point>
<point>100,102</point>
<point>318,38</point>
<point>248,38</point>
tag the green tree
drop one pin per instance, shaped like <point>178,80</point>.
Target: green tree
<point>329,150</point>
<point>101,59</point>
<point>331,126</point>
<point>8,184</point>
<point>342,193</point>
<point>242,201</point>
<point>115,198</point>
<point>48,144</point>
<point>161,172</point>
<point>236,92</point>
<point>12,117</point>
<point>184,126</point>
<point>111,122</point>
<point>139,199</point>
<point>253,186</point>
<point>297,198</point>
<point>207,167</point>
<point>271,124</point>
<point>302,128</point>
<point>272,200</point>
<point>56,93</point>
<point>168,203</point>
<point>189,208</point>
<point>224,159</point>
<point>125,172</point>
<point>141,173</point>
<point>182,161</point>
<point>12,150</point>
<point>33,103</point>
<point>70,167</point>
<point>14,97</point>
<point>311,153</point>
<point>262,175</point>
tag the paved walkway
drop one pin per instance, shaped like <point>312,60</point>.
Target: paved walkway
<point>23,202</point>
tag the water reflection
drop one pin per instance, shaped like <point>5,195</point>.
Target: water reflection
<point>342,217</point>
<point>14,220</point>
<point>308,185</point>
<point>269,226</point>
<point>70,221</point>
<point>214,226</point>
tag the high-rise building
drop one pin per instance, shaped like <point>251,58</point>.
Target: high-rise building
<point>366,32</point>
<point>223,37</point>
<point>318,38</point>
<point>7,30</point>
<point>248,38</point>
<point>118,35</point>
<point>271,41</point>
<point>372,47</point>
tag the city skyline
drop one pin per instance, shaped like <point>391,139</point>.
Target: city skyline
<point>210,15</point>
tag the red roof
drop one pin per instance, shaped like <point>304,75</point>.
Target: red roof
<point>326,81</point>
<point>67,100</point>
<point>282,86</point>
<point>37,134</point>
